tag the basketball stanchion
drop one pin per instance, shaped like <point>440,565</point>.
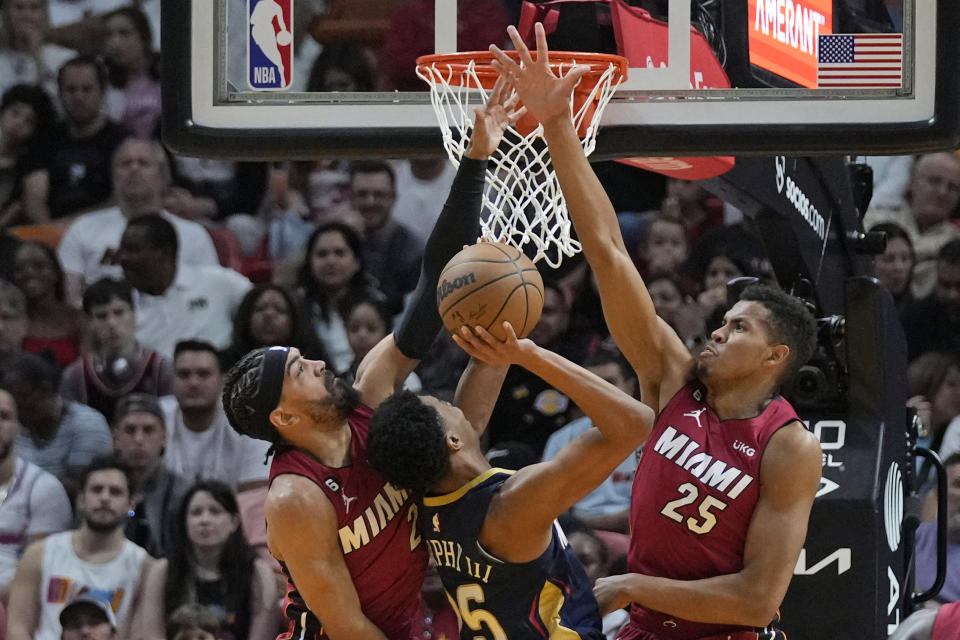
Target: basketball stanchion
<point>523,203</point>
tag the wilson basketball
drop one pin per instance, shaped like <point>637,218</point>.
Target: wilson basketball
<point>488,283</point>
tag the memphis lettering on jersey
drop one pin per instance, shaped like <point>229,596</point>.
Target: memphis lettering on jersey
<point>449,553</point>
<point>681,450</point>
<point>374,519</point>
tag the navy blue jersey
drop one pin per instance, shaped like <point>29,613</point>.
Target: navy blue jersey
<point>550,597</point>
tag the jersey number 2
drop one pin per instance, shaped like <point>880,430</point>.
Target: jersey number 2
<point>690,493</point>
<point>412,514</point>
<point>475,619</point>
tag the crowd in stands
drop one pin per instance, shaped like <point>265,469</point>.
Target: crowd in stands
<point>131,278</point>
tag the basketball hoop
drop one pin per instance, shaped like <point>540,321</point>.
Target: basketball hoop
<point>522,198</point>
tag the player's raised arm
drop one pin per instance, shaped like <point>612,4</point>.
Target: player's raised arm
<point>652,347</point>
<point>388,364</point>
<point>518,525</point>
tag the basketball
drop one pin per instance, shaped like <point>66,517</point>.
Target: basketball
<point>488,283</point>
<point>284,38</point>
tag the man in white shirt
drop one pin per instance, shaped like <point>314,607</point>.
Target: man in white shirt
<point>200,441</point>
<point>175,301</point>
<point>141,177</point>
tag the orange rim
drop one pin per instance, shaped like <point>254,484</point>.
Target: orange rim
<point>598,63</point>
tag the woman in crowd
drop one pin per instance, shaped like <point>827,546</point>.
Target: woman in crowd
<point>212,565</point>
<point>934,382</point>
<point>268,315</point>
<point>368,321</point>
<point>134,73</point>
<point>331,277</point>
<point>25,55</point>
<point>55,329</point>
<point>894,267</point>
<point>25,112</point>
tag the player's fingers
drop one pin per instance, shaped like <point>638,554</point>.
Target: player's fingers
<point>511,334</point>
<point>516,115</point>
<point>486,336</point>
<point>503,63</point>
<point>512,101</point>
<point>543,54</point>
<point>466,341</point>
<point>572,77</point>
<point>498,91</point>
<point>519,45</point>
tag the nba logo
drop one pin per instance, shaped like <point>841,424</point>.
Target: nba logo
<point>270,44</point>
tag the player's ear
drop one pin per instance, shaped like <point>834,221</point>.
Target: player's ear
<point>454,443</point>
<point>282,419</point>
<point>778,354</point>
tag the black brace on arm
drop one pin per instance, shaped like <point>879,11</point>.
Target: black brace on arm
<point>458,225</point>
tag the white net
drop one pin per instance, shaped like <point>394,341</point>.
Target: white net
<point>522,200</point>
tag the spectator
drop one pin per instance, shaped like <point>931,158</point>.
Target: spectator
<point>391,250</point>
<point>933,323</point>
<point>926,541</point>
<point>343,66</point>
<point>94,559</point>
<point>34,504</point>
<point>891,178</point>
<point>421,184</point>
<point>176,302</point>
<point>88,618</point>
<point>933,197</point>
<point>212,565</point>
<point>25,55</point>
<point>697,209</point>
<point>25,113</point>
<point>894,267</point>
<point>595,558</point>
<point>134,71</point>
<point>200,442</point>
<point>268,315</point>
<point>664,248</point>
<point>70,174</point>
<point>139,436</point>
<point>193,622</point>
<point>59,436</point>
<point>934,381</point>
<point>141,177</point>
<point>528,409</point>
<point>608,506</point>
<point>676,308</point>
<point>332,274</point>
<point>930,624</point>
<point>14,321</point>
<point>368,322</point>
<point>54,330</point>
<point>116,364</point>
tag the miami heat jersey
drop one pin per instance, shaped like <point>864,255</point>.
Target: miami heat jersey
<point>550,597</point>
<point>696,486</point>
<point>377,526</point>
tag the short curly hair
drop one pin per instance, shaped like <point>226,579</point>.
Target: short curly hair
<point>241,384</point>
<point>407,443</point>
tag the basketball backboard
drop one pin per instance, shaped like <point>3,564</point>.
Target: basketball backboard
<point>231,84</point>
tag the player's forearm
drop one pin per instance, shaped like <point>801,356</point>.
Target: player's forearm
<point>478,390</point>
<point>726,599</point>
<point>590,209</point>
<point>617,415</point>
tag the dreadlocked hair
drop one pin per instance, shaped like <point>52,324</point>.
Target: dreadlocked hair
<point>407,443</point>
<point>243,383</point>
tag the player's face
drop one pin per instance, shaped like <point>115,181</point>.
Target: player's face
<point>454,422</point>
<point>313,392</point>
<point>739,347</point>
<point>9,424</point>
<point>112,324</point>
<point>138,439</point>
<point>105,500</point>
<point>894,266</point>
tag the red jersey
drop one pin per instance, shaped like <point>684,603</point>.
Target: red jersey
<point>379,538</point>
<point>693,495</point>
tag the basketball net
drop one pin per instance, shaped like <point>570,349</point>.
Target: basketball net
<point>522,200</point>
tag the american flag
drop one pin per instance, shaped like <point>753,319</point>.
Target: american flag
<point>860,60</point>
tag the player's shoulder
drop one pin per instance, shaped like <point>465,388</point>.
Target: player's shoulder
<point>293,494</point>
<point>793,445</point>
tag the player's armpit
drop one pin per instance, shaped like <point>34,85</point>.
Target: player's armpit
<point>382,371</point>
<point>302,533</point>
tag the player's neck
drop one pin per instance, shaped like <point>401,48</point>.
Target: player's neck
<point>739,399</point>
<point>330,445</point>
<point>464,467</point>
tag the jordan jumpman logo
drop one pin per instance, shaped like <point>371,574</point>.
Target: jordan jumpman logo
<point>696,415</point>
<point>347,500</point>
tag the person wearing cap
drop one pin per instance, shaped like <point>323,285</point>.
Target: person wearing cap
<point>349,542</point>
<point>139,436</point>
<point>33,503</point>
<point>87,617</point>
<point>95,558</point>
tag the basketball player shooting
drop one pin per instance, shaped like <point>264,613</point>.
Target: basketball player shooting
<point>724,488</point>
<point>347,541</point>
<point>492,533</point>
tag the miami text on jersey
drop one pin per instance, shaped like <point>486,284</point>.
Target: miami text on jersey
<point>701,465</point>
<point>386,505</point>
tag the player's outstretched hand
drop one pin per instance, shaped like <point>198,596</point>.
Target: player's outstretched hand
<point>544,95</point>
<point>492,120</point>
<point>482,345</point>
<point>611,593</point>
